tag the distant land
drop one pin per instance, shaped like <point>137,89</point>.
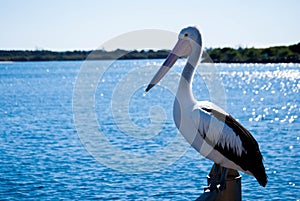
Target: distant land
<point>277,54</point>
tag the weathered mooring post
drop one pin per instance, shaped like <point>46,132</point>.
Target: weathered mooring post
<point>232,192</point>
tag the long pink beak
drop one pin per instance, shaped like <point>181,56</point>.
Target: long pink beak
<point>182,48</point>
<point>169,62</point>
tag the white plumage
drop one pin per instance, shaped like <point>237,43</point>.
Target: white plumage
<point>209,129</point>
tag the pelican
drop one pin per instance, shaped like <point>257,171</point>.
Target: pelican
<point>210,130</point>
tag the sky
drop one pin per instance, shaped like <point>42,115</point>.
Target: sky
<point>61,25</point>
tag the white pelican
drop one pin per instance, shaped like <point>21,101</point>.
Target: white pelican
<point>208,128</point>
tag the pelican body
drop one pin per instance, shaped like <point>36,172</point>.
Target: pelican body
<point>209,129</point>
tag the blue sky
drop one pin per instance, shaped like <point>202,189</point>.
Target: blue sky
<point>85,25</point>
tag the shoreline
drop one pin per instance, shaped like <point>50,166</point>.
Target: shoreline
<point>277,54</point>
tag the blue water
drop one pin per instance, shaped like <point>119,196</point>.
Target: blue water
<point>44,157</point>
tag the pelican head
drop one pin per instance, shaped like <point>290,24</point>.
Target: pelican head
<point>189,42</point>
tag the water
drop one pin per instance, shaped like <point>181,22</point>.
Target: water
<point>42,157</point>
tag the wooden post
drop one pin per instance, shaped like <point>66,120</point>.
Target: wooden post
<point>232,192</point>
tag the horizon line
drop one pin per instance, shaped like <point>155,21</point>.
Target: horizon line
<point>154,49</point>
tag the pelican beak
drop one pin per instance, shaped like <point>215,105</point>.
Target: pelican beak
<point>182,48</point>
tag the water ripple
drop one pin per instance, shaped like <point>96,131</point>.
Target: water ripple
<point>42,157</point>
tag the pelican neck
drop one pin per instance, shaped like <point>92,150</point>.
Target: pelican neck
<point>184,90</point>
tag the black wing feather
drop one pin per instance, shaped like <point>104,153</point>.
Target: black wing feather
<point>251,158</point>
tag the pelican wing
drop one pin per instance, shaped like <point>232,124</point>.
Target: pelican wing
<point>231,139</point>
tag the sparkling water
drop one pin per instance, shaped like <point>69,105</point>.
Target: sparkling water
<point>51,149</point>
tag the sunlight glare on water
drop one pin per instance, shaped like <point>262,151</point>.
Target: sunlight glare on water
<point>42,157</point>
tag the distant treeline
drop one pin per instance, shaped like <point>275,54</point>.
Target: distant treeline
<point>276,54</point>
<point>46,55</point>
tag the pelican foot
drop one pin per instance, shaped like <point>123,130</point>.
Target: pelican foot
<point>222,185</point>
<point>219,186</point>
